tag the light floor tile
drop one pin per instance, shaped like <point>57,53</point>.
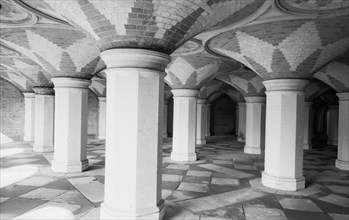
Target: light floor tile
<point>222,161</point>
<point>178,167</point>
<point>24,160</point>
<point>36,181</point>
<point>338,189</point>
<point>237,174</point>
<point>3,199</point>
<point>261,213</point>
<point>335,199</point>
<point>193,187</point>
<point>299,204</point>
<point>89,187</point>
<point>43,193</point>
<point>338,216</point>
<point>198,173</point>
<point>171,178</point>
<point>224,181</point>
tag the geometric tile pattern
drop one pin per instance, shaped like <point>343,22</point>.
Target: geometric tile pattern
<point>66,52</point>
<point>193,71</point>
<point>214,88</point>
<point>285,48</point>
<point>313,5</point>
<point>223,184</point>
<point>98,86</point>
<point>335,74</point>
<point>315,89</point>
<point>244,80</point>
<point>157,25</point>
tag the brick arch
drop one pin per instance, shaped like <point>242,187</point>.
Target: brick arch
<point>157,25</point>
<point>285,49</point>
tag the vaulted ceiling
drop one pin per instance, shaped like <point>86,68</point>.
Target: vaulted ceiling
<point>214,44</point>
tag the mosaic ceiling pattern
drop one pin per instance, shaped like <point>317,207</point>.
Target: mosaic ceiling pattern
<point>291,49</point>
<point>313,5</point>
<point>315,89</point>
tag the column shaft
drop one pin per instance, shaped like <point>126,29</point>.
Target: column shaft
<point>164,124</point>
<point>342,161</point>
<point>242,122</point>
<point>284,134</point>
<point>184,124</point>
<point>29,116</point>
<point>332,125</point>
<point>208,120</point>
<point>102,111</point>
<point>135,91</point>
<point>255,125</point>
<point>201,124</point>
<point>71,97</point>
<point>44,119</point>
<point>308,125</point>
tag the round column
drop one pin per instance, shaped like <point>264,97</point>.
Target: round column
<point>135,91</point>
<point>29,116</point>
<point>332,125</point>
<point>342,161</point>
<point>308,125</point>
<point>208,119</point>
<point>164,124</point>
<point>255,125</point>
<point>284,134</point>
<point>71,112</point>
<point>242,122</point>
<point>102,111</point>
<point>184,124</point>
<point>44,119</point>
<point>201,124</point>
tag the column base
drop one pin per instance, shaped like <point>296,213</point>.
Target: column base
<point>287,184</point>
<point>77,167</point>
<point>182,157</point>
<point>109,213</point>
<point>101,137</point>
<point>252,150</point>
<point>342,165</point>
<point>241,139</point>
<point>200,141</point>
<point>42,149</point>
<point>307,147</point>
<point>332,142</point>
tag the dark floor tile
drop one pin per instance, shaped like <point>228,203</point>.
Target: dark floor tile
<point>15,190</point>
<point>301,215</point>
<point>170,185</point>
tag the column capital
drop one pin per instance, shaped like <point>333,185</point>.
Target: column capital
<point>285,84</point>
<point>43,90</point>
<point>241,104</point>
<point>135,58</point>
<point>255,99</point>
<point>201,101</point>
<point>69,82</point>
<point>29,94</point>
<point>343,96</point>
<point>102,99</point>
<point>185,92</point>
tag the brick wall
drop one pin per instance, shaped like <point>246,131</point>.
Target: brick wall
<point>11,111</point>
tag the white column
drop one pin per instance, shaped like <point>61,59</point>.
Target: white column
<point>44,119</point>
<point>308,125</point>
<point>201,124</point>
<point>29,116</point>
<point>135,93</point>
<point>255,125</point>
<point>184,124</point>
<point>164,124</point>
<point>242,122</point>
<point>332,125</point>
<point>208,119</point>
<point>284,134</point>
<point>102,111</point>
<point>342,161</point>
<point>71,110</point>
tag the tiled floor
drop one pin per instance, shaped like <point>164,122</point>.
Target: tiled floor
<point>223,184</point>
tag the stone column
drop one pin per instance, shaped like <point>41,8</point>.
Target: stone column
<point>242,122</point>
<point>102,111</point>
<point>71,111</point>
<point>342,161</point>
<point>332,125</point>
<point>164,124</point>
<point>284,134</point>
<point>135,93</point>
<point>201,124</point>
<point>29,116</point>
<point>184,124</point>
<point>255,125</point>
<point>208,119</point>
<point>44,119</point>
<point>308,125</point>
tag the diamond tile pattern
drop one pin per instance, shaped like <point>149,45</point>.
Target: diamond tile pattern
<point>211,188</point>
